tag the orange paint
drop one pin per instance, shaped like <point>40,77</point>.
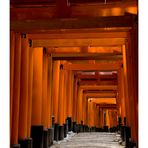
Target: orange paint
<point>61,98</point>
<point>45,106</point>
<point>70,96</point>
<point>12,46</point>
<point>30,87</point>
<point>37,87</point>
<point>16,88</point>
<point>24,88</point>
<point>49,93</point>
<point>65,95</point>
<point>55,94</point>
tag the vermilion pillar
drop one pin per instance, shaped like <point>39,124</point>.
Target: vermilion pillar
<point>107,119</point>
<point>12,48</point>
<point>37,86</point>
<point>79,105</point>
<point>126,88</point>
<point>75,98</point>
<point>101,117</point>
<point>16,89</point>
<point>132,68</point>
<point>65,95</point>
<point>30,87</point>
<point>55,90</point>
<point>123,112</point>
<point>45,98</point>
<point>49,92</point>
<point>24,87</point>
<point>61,96</point>
<point>70,96</point>
<point>84,108</point>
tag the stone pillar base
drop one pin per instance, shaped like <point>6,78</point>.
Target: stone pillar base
<point>45,138</point>
<point>61,132</point>
<point>51,136</point>
<point>56,131</point>
<point>65,130</point>
<point>69,123</point>
<point>26,143</point>
<point>37,136</point>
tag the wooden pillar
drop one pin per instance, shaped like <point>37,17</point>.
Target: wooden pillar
<point>55,94</point>
<point>45,106</point>
<point>87,114</point>
<point>12,49</point>
<point>123,112</point>
<point>98,117</point>
<point>118,99</point>
<point>24,87</point>
<point>75,98</point>
<point>16,89</point>
<point>132,68</point>
<point>88,118</point>
<point>30,87</point>
<point>37,86</point>
<point>107,119</point>
<point>91,113</point>
<point>101,117</point>
<point>126,85</point>
<point>61,97</point>
<point>65,95</point>
<point>79,106</point>
<point>70,97</point>
<point>84,107</point>
<point>49,93</point>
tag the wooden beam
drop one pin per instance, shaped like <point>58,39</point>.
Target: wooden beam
<point>103,100</point>
<point>75,35</point>
<point>86,56</point>
<point>107,105</point>
<point>63,9</point>
<point>71,23</point>
<point>98,87</point>
<point>42,11</point>
<point>100,95</point>
<point>96,67</point>
<point>79,42</point>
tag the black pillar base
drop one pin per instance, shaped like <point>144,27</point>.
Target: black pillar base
<point>77,128</point>
<point>122,131</point>
<point>81,128</point>
<point>65,130</point>
<point>113,129</point>
<point>37,136</point>
<point>87,129</point>
<point>132,144</point>
<point>84,128</point>
<point>15,146</point>
<point>56,131</point>
<point>119,122</point>
<point>69,123</point>
<point>127,135</point>
<point>61,132</point>
<point>45,138</point>
<point>74,127</point>
<point>26,143</point>
<point>50,136</point>
<point>105,128</point>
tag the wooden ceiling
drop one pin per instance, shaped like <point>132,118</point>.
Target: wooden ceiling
<point>92,31</point>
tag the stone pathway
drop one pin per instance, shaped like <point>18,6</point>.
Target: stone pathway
<point>89,140</point>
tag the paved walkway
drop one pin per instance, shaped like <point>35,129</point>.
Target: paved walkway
<point>89,140</point>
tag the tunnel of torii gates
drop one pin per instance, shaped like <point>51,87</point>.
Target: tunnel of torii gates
<point>70,74</point>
